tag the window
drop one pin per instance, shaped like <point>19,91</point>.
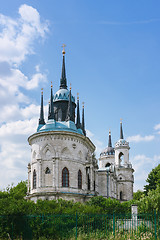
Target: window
<point>65,177</point>
<point>108,165</point>
<point>34,179</point>
<point>121,195</point>
<point>79,179</point>
<point>47,171</point>
<point>88,182</point>
<point>121,158</point>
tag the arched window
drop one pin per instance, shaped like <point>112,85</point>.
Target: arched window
<point>108,165</point>
<point>65,177</point>
<point>121,158</point>
<point>79,179</point>
<point>34,179</point>
<point>121,195</point>
<point>47,171</point>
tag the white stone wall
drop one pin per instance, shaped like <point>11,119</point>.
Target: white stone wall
<point>56,150</point>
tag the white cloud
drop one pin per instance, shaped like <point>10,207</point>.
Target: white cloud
<point>18,35</point>
<point>157,127</point>
<point>36,79</point>
<point>17,39</point>
<point>96,142</point>
<point>142,166</point>
<point>139,138</point>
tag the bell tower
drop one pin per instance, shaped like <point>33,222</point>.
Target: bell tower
<point>121,150</point>
<point>124,170</point>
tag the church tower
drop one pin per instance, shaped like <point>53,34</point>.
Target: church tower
<point>62,161</point>
<point>124,170</point>
<point>107,179</point>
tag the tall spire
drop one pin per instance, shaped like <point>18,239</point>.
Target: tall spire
<point>83,124</point>
<point>121,130</point>
<point>69,111</point>
<point>41,119</point>
<point>109,140</point>
<point>63,80</point>
<point>51,112</point>
<point>78,123</point>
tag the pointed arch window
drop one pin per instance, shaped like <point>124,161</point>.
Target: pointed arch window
<point>34,179</point>
<point>79,179</point>
<point>48,171</point>
<point>65,177</point>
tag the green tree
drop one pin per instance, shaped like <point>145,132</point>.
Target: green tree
<point>138,195</point>
<point>153,179</point>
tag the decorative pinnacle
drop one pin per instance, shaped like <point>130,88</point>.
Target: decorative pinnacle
<point>82,104</point>
<point>77,96</point>
<point>109,132</point>
<point>42,91</point>
<point>51,84</point>
<point>121,120</point>
<point>63,51</point>
<point>70,86</point>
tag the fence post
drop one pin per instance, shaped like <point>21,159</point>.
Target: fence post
<point>113,224</point>
<point>155,224</point>
<point>76,224</point>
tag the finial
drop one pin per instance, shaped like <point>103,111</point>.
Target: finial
<point>70,86</point>
<point>77,96</point>
<point>121,120</point>
<point>109,132</point>
<point>82,104</point>
<point>42,91</point>
<point>63,51</point>
<point>51,84</point>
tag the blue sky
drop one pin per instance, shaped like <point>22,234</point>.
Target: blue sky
<point>112,60</point>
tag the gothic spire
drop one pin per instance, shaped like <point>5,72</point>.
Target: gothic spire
<point>51,112</point>
<point>78,123</point>
<point>109,140</point>
<point>83,124</point>
<point>121,130</point>
<point>41,119</point>
<point>63,80</point>
<point>69,111</point>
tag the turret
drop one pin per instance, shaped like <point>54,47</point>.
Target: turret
<point>51,108</point>
<point>78,123</point>
<point>41,119</point>
<point>63,80</point>
<point>69,116</point>
<point>83,123</point>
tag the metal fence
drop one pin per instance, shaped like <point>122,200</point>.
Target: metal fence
<point>63,226</point>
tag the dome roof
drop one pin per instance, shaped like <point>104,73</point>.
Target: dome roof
<point>122,143</point>
<point>52,125</point>
<point>107,151</point>
<point>62,95</point>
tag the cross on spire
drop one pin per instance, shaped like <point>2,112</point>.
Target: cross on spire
<point>63,51</point>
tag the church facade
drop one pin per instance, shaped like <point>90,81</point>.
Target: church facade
<point>63,163</point>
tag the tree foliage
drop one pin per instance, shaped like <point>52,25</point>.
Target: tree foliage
<point>153,179</point>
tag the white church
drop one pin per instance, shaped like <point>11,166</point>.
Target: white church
<point>63,163</point>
